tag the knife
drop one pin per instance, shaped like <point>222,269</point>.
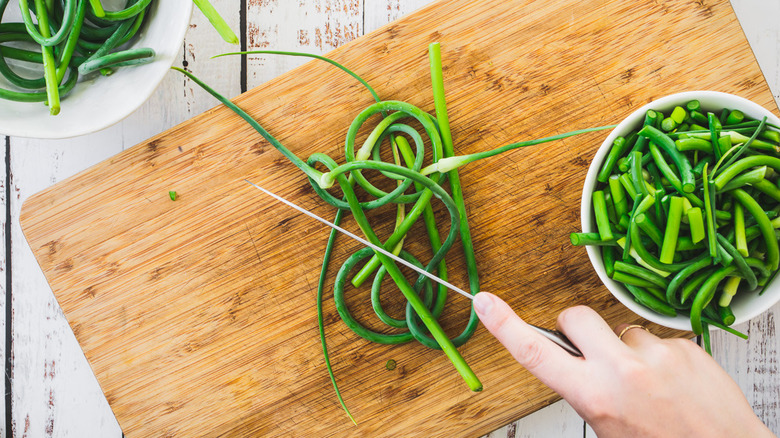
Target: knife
<point>554,335</point>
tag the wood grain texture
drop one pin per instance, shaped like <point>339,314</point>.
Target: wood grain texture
<point>217,283</point>
<point>311,26</point>
<point>753,363</point>
<point>557,420</point>
<point>744,360</point>
<point>5,350</point>
<point>44,344</point>
<point>51,379</point>
<point>379,13</point>
<point>74,405</point>
<point>763,36</point>
<point>179,97</point>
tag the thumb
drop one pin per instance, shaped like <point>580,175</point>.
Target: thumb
<point>548,362</point>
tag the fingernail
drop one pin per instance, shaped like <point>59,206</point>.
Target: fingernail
<point>483,303</point>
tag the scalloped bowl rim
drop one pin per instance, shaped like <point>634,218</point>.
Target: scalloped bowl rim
<point>745,306</point>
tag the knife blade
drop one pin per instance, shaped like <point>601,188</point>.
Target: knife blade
<point>555,336</point>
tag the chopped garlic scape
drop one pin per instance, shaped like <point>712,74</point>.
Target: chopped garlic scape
<point>632,251</point>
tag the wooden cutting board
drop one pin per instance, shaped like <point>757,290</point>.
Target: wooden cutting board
<point>198,315</point>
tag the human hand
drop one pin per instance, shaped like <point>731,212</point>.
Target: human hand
<point>637,386</point>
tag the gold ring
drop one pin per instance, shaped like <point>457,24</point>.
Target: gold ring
<point>632,326</point>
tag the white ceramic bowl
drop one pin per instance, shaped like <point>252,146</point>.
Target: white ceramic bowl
<point>101,101</point>
<point>745,306</point>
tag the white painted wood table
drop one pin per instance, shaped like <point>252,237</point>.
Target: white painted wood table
<point>49,388</point>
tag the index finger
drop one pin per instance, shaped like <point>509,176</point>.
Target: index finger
<point>583,326</point>
<point>548,362</point>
